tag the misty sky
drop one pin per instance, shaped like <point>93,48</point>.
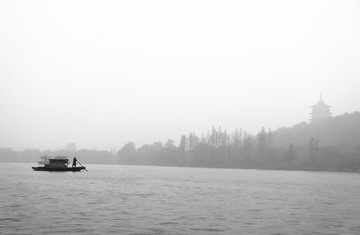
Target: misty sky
<point>102,73</point>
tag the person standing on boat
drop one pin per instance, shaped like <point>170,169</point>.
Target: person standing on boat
<point>74,162</point>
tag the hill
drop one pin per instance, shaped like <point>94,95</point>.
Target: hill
<point>341,131</point>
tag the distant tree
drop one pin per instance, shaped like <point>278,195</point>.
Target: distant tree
<point>247,149</point>
<point>94,156</point>
<point>170,144</point>
<point>9,155</point>
<point>158,145</point>
<point>182,142</point>
<point>330,158</point>
<point>113,151</point>
<point>127,153</point>
<point>262,141</point>
<point>353,161</point>
<point>290,156</point>
<point>71,147</point>
<point>313,151</point>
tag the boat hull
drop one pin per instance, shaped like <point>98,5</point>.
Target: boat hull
<point>41,168</point>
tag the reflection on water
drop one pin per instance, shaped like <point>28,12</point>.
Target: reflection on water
<point>166,200</point>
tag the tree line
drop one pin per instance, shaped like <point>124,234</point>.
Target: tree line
<point>327,145</point>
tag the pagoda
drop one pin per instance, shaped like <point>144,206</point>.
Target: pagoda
<point>320,111</point>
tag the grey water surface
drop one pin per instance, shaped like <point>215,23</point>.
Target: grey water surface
<point>114,199</point>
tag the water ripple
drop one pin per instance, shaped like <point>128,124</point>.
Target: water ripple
<point>161,200</point>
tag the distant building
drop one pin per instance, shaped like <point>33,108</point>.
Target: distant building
<point>320,111</point>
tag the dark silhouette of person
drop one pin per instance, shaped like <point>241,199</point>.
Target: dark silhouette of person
<point>74,162</point>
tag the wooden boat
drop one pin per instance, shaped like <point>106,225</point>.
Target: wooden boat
<point>56,164</point>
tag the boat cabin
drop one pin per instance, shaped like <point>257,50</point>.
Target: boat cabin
<point>57,163</point>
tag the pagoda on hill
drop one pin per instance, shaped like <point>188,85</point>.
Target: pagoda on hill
<point>320,111</point>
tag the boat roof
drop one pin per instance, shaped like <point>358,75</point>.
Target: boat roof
<point>58,160</point>
<point>53,157</point>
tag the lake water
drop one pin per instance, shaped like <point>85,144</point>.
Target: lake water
<point>168,200</point>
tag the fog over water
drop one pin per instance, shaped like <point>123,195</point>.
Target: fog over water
<point>101,74</point>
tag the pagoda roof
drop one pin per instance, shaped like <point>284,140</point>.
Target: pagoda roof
<point>321,104</point>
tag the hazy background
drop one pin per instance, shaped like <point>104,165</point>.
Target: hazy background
<point>102,73</point>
